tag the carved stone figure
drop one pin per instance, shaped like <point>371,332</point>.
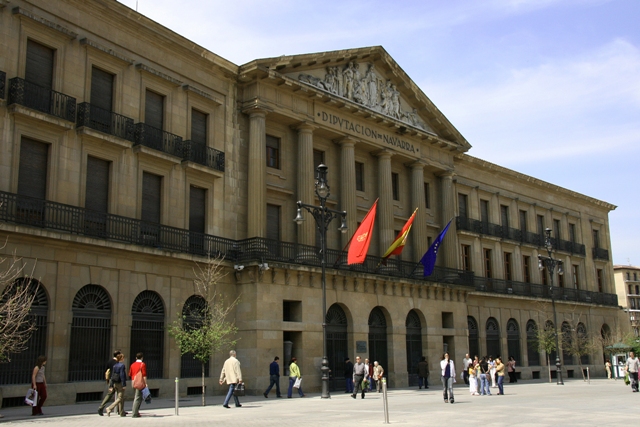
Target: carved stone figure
<point>372,87</point>
<point>395,102</point>
<point>386,95</point>
<point>348,78</point>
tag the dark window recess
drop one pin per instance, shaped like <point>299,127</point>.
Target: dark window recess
<point>101,89</point>
<point>523,221</point>
<point>507,266</point>
<point>318,158</point>
<point>147,331</point>
<point>572,233</point>
<point>12,402</point>
<point>154,110</point>
<point>395,185</point>
<point>427,196</point>
<point>359,176</point>
<point>195,391</point>
<point>197,209</point>
<point>487,264</point>
<point>484,211</point>
<point>526,268</point>
<point>462,206</point>
<point>447,319</point>
<point>90,396</point>
<point>32,173</point>
<point>273,219</point>
<point>97,190</point>
<point>39,66</point>
<point>504,215</point>
<point>151,197</point>
<point>540,224</point>
<point>273,152</point>
<point>198,127</point>
<point>292,311</point>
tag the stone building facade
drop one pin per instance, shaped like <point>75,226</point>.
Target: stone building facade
<point>129,153</point>
<point>627,281</point>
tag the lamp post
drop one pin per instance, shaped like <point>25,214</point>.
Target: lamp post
<point>323,216</point>
<point>550,263</point>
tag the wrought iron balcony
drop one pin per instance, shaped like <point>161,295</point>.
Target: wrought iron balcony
<point>3,79</point>
<point>105,121</point>
<point>42,99</point>
<point>516,235</point>
<point>198,152</point>
<point>158,139</point>
<point>599,253</point>
<point>70,219</point>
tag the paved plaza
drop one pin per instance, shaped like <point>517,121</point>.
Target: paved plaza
<point>527,403</point>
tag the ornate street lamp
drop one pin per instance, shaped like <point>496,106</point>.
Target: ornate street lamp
<point>550,263</point>
<point>323,216</point>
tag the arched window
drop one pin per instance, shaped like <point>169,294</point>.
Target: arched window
<point>378,338</point>
<point>567,343</point>
<point>192,314</point>
<point>493,338</point>
<point>147,331</point>
<point>337,346</point>
<point>513,340</point>
<point>474,342</point>
<point>533,352</point>
<point>581,336</point>
<point>90,334</point>
<point>550,326</point>
<point>18,370</point>
<point>414,345</point>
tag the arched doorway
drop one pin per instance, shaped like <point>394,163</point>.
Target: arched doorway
<point>337,345</point>
<point>378,338</point>
<point>550,327</point>
<point>192,315</point>
<point>581,336</point>
<point>493,338</point>
<point>474,341</point>
<point>147,331</point>
<point>90,334</point>
<point>513,340</point>
<point>18,370</point>
<point>566,344</point>
<point>414,346</point>
<point>533,353</point>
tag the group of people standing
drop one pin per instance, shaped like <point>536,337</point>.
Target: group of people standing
<point>479,372</point>
<point>362,377</point>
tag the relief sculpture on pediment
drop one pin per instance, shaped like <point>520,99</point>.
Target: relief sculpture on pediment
<point>368,90</point>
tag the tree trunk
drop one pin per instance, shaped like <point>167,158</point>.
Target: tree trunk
<point>549,366</point>
<point>203,387</point>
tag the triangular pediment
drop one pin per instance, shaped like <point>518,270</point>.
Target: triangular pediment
<point>370,79</point>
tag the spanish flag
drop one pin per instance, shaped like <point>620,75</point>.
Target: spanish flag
<point>398,245</point>
<point>362,238</point>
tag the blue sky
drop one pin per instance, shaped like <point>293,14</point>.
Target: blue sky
<point>550,88</point>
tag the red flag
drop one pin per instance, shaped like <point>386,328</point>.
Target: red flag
<point>398,245</point>
<point>362,238</point>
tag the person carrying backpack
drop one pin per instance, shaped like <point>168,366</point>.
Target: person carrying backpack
<point>119,383</point>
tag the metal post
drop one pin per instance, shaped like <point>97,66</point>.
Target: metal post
<point>385,401</point>
<point>177,395</point>
<point>323,258</point>
<point>588,375</point>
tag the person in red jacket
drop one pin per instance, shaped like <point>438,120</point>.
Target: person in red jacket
<point>136,367</point>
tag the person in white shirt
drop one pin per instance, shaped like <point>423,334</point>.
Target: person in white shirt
<point>465,364</point>
<point>448,369</point>
<point>492,371</point>
<point>632,366</point>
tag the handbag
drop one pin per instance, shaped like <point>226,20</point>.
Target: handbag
<point>297,383</point>
<point>239,390</point>
<point>138,381</point>
<point>31,398</point>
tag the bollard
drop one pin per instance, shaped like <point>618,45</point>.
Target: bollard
<point>588,375</point>
<point>384,400</point>
<point>177,395</point>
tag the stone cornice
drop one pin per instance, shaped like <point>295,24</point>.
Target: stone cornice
<point>64,30</point>
<point>90,43</point>
<point>143,67</point>
<point>188,88</point>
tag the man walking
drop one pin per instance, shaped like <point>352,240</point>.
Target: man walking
<point>423,373</point>
<point>233,375</point>
<point>274,376</point>
<point>378,373</point>
<point>110,390</point>
<point>348,375</point>
<point>359,372</point>
<point>632,366</point>
<point>136,367</point>
<point>465,364</point>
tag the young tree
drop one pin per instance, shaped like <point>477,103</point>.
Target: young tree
<point>546,338</point>
<point>208,329</point>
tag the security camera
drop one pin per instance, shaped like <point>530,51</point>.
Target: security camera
<point>264,266</point>
<point>238,267</point>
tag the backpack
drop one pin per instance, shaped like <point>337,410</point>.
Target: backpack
<point>115,377</point>
<point>107,374</point>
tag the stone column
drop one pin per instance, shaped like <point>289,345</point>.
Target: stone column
<point>384,216</point>
<point>257,191</point>
<point>449,245</point>
<point>347,186</point>
<point>419,227</point>
<point>306,176</point>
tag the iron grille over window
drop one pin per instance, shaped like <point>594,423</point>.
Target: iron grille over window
<point>414,345</point>
<point>378,337</point>
<point>493,337</point>
<point>513,339</point>
<point>147,331</point>
<point>192,318</point>
<point>532,344</point>
<point>337,345</point>
<point>474,344</point>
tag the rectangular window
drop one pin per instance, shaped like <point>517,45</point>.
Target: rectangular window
<point>154,110</point>
<point>545,276</point>
<point>427,196</point>
<point>318,159</point>
<point>151,197</point>
<point>273,219</point>
<point>199,126</point>
<point>507,266</point>
<point>635,277</point>
<point>395,185</point>
<point>463,211</point>
<point>466,257</point>
<point>97,188</point>
<point>556,229</point>
<point>101,89</point>
<point>197,209</point>
<point>630,289</point>
<point>39,65</point>
<point>359,176</point>
<point>523,221</point>
<point>561,280</point>
<point>484,211</point>
<point>487,263</point>
<point>526,268</point>
<point>637,290</point>
<point>572,233</point>
<point>504,215</point>
<point>596,239</point>
<point>32,172</point>
<point>576,276</point>
<point>273,152</point>
<point>600,277</point>
<point>540,224</point>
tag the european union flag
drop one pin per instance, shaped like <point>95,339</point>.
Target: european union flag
<point>429,258</point>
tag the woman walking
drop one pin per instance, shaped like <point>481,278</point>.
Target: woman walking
<point>448,377</point>
<point>511,369</point>
<point>119,383</point>
<point>294,374</point>
<point>39,383</point>
<point>500,375</point>
<point>607,367</point>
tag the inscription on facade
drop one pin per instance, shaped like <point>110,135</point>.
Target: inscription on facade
<point>363,130</point>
